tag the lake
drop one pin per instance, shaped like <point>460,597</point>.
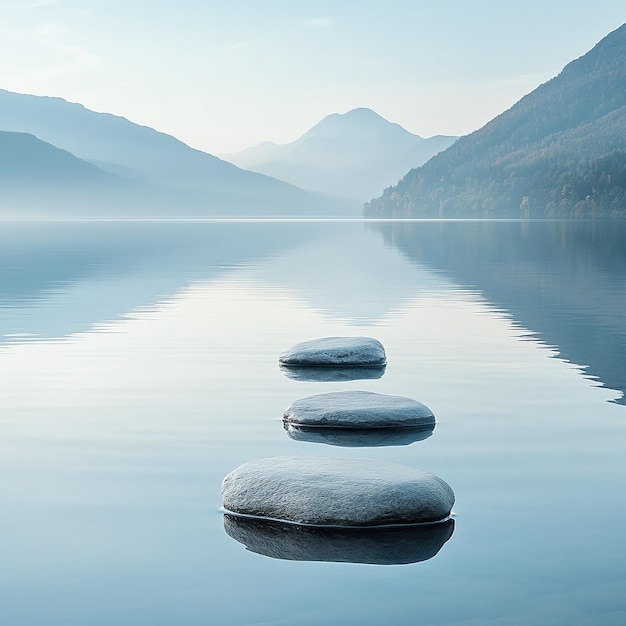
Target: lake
<point>139,365</point>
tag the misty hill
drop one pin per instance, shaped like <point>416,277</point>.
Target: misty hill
<point>158,165</point>
<point>23,157</point>
<point>559,152</point>
<point>35,174</point>
<point>38,179</point>
<point>351,155</point>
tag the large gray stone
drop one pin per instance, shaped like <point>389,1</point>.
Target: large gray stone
<point>336,352</point>
<point>337,492</point>
<point>358,409</point>
<point>389,545</point>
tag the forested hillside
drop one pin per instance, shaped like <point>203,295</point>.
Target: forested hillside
<point>558,152</point>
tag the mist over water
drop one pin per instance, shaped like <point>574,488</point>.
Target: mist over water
<point>140,365</point>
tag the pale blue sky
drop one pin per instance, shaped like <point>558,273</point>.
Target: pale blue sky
<point>222,76</point>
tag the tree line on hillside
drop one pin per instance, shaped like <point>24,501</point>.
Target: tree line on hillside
<point>559,152</point>
<point>579,187</point>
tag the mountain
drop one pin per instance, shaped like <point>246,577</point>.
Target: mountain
<point>559,152</point>
<point>351,155</point>
<point>35,176</point>
<point>23,157</point>
<point>38,179</point>
<point>164,174</point>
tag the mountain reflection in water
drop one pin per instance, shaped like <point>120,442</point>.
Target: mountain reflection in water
<point>562,280</point>
<point>140,365</point>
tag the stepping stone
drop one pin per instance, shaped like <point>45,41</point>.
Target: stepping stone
<point>391,545</point>
<point>328,374</point>
<point>323,491</point>
<point>336,352</point>
<point>359,437</point>
<point>358,409</point>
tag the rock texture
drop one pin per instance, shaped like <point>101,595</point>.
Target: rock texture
<point>396,545</point>
<point>336,492</point>
<point>358,409</point>
<point>336,352</point>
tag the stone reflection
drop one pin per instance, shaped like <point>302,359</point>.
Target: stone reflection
<point>331,374</point>
<point>392,545</point>
<point>359,437</point>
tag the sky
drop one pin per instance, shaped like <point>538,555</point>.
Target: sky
<point>223,76</point>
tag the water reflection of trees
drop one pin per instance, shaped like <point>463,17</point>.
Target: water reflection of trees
<point>563,280</point>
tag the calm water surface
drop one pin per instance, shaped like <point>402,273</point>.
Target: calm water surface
<point>139,366</point>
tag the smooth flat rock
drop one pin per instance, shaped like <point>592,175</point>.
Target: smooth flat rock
<point>358,409</point>
<point>359,437</point>
<point>336,352</point>
<point>330,374</point>
<point>394,545</point>
<point>324,491</point>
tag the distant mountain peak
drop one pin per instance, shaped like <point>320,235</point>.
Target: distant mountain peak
<point>356,122</point>
<point>155,167</point>
<point>362,113</point>
<point>349,155</point>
